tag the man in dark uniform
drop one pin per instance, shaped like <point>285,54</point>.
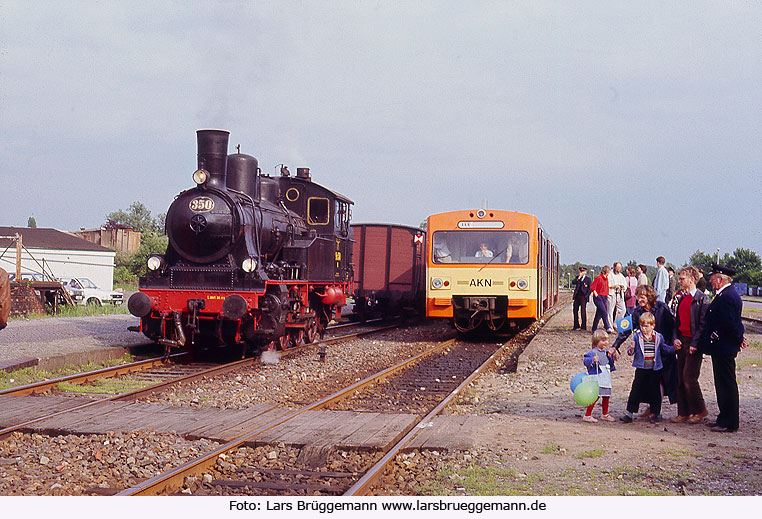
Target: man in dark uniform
<point>581,294</point>
<point>723,339</point>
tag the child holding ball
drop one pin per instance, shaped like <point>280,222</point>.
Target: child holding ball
<point>599,362</point>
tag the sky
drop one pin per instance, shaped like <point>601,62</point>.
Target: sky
<point>631,129</point>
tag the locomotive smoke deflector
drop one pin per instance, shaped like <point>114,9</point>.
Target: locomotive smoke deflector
<point>213,155</point>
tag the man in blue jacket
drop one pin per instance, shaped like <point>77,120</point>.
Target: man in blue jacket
<point>581,294</point>
<point>723,339</point>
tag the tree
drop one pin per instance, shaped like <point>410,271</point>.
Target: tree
<point>747,264</point>
<point>137,217</point>
<point>701,261</point>
<point>152,241</point>
<point>31,223</point>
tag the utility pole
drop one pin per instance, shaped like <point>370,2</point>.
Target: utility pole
<point>18,257</point>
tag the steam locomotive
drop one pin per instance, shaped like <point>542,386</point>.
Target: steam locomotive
<point>253,260</point>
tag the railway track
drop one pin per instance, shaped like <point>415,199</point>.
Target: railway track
<point>158,374</point>
<point>752,324</point>
<point>422,385</point>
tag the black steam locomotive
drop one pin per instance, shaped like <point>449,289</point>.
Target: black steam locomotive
<point>252,260</point>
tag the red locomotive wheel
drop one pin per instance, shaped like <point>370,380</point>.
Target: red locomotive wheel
<point>296,338</point>
<point>311,331</point>
<point>282,342</point>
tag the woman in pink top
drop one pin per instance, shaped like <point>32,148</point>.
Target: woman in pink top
<point>631,282</point>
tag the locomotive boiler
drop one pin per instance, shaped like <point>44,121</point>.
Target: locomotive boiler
<point>252,260</point>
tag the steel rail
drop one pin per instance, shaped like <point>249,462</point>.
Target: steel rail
<point>365,483</point>
<point>136,393</point>
<point>89,376</point>
<point>174,478</point>
<point>132,395</point>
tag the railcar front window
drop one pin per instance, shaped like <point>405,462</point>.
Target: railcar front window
<point>480,247</point>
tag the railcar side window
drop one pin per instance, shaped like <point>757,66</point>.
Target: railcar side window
<point>318,211</point>
<point>481,247</point>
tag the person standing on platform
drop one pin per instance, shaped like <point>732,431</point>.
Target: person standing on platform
<point>690,318</point>
<point>600,291</point>
<point>581,294</point>
<point>661,281</point>
<point>631,283</point>
<point>672,289</point>
<point>722,339</point>
<point>665,325</point>
<point>642,277</point>
<point>615,303</point>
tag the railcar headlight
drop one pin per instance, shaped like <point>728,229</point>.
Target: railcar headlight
<point>249,264</point>
<point>200,176</point>
<point>154,262</point>
<point>436,283</point>
<point>522,284</point>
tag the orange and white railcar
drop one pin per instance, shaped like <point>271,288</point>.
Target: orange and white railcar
<point>490,268</point>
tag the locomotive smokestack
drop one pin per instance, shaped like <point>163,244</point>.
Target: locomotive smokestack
<point>213,155</point>
<point>303,173</point>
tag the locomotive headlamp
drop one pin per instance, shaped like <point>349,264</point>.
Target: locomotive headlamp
<point>249,264</point>
<point>436,283</point>
<point>154,262</point>
<point>200,176</point>
<point>522,284</point>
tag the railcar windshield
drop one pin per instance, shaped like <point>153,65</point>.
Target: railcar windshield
<point>481,247</point>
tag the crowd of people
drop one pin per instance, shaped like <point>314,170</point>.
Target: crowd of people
<point>673,323</point>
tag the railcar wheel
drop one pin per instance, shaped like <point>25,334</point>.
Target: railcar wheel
<point>282,341</point>
<point>310,331</point>
<point>295,338</point>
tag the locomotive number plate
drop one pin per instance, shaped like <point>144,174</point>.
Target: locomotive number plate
<point>201,204</point>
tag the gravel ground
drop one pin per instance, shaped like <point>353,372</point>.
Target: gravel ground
<point>71,465</point>
<point>33,464</point>
<point>302,379</point>
<point>536,443</point>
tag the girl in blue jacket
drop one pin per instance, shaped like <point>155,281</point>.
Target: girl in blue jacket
<point>600,362</point>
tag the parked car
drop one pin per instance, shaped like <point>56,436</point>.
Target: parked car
<point>26,276</point>
<point>85,292</point>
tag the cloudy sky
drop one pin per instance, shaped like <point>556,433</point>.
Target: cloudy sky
<point>631,129</point>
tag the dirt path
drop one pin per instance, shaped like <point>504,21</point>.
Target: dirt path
<point>536,443</point>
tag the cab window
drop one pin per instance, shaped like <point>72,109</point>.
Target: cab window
<point>318,211</point>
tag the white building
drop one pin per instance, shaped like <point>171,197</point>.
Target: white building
<point>57,252</point>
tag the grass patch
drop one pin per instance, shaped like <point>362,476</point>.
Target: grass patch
<point>551,448</point>
<point>25,376</point>
<point>104,386</point>
<point>478,481</point>
<point>489,481</point>
<point>677,454</point>
<point>743,362</point>
<point>595,453</point>
<point>78,311</point>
